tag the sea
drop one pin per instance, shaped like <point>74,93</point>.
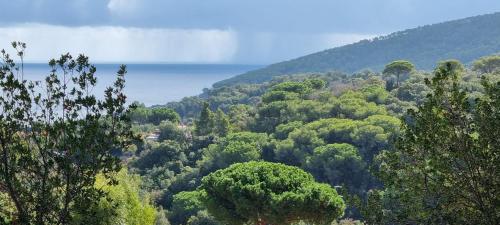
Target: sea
<point>155,84</point>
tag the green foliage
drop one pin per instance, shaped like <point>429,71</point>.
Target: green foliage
<point>157,178</point>
<point>187,180</point>
<point>142,115</point>
<point>241,117</point>
<point>370,136</point>
<point>185,205</point>
<point>316,83</point>
<point>455,68</point>
<point>283,130</point>
<point>188,107</point>
<point>284,106</point>
<point>222,97</point>
<point>273,96</point>
<point>307,110</point>
<point>354,105</point>
<point>487,64</point>
<point>202,218</point>
<point>122,205</point>
<point>263,192</point>
<point>299,144</point>
<point>375,93</point>
<point>398,68</point>
<point>172,132</point>
<point>204,125</point>
<point>56,136</point>
<point>236,147</point>
<point>169,155</point>
<point>300,88</point>
<point>390,124</point>
<point>445,166</point>
<point>332,131</point>
<point>413,90</point>
<point>221,123</point>
<point>161,219</point>
<point>7,209</point>
<point>374,207</point>
<point>158,115</point>
<point>335,132</point>
<point>339,165</point>
<point>271,115</point>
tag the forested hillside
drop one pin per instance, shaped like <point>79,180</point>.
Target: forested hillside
<point>399,147</point>
<point>464,39</point>
<point>344,130</point>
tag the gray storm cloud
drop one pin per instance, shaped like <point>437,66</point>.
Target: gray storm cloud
<point>128,44</point>
<point>122,44</point>
<point>213,31</point>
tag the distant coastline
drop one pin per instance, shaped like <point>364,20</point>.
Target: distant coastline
<point>156,84</point>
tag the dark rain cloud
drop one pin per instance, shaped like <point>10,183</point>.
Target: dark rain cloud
<point>258,31</point>
<point>358,16</point>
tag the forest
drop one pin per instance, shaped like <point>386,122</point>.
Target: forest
<point>401,146</point>
<point>464,39</point>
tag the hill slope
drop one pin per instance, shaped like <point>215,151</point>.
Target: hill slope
<point>465,39</point>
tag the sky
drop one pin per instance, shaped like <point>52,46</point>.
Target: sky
<point>213,31</point>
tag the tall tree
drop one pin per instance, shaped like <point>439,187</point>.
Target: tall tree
<point>269,193</point>
<point>56,136</point>
<point>221,123</point>
<point>487,64</point>
<point>204,125</point>
<point>398,68</point>
<point>445,169</point>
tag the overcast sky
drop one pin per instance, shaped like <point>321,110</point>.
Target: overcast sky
<point>213,31</point>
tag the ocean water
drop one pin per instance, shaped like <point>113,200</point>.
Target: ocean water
<point>154,84</point>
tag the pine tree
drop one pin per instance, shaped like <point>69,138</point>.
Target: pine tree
<point>221,123</point>
<point>205,124</point>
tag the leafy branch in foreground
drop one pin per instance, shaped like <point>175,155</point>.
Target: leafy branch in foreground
<point>56,136</point>
<point>445,166</point>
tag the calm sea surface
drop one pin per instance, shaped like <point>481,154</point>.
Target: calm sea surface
<point>154,84</point>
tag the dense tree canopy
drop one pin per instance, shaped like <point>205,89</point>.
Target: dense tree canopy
<point>185,205</point>
<point>236,147</point>
<point>141,114</point>
<point>269,193</point>
<point>339,165</point>
<point>487,64</point>
<point>336,131</point>
<point>252,153</point>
